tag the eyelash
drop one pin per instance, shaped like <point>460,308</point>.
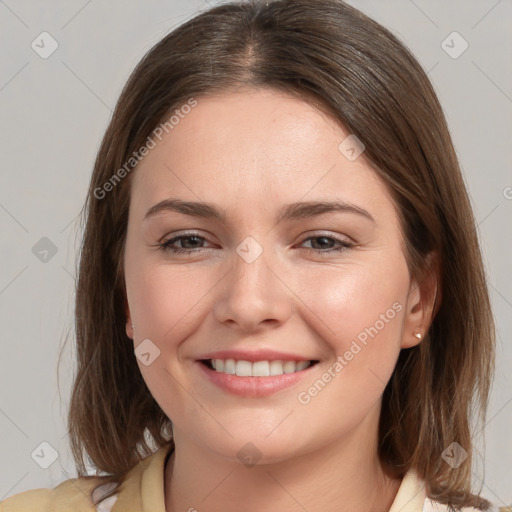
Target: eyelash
<point>166,244</point>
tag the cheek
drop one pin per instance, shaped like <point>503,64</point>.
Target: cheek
<point>358,312</point>
<point>166,299</point>
<point>167,304</point>
<point>346,300</point>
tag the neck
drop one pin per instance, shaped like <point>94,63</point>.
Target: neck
<point>343,475</point>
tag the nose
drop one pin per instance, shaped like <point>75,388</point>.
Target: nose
<point>253,295</point>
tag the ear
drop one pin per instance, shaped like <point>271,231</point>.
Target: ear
<point>423,302</point>
<point>128,326</point>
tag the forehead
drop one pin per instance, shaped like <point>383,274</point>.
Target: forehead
<point>252,145</point>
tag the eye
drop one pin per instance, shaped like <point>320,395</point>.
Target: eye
<point>187,240</point>
<point>342,245</point>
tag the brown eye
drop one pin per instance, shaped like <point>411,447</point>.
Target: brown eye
<point>189,243</point>
<point>323,244</point>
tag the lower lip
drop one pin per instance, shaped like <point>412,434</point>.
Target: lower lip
<point>254,387</point>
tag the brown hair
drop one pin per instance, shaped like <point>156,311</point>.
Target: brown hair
<point>354,69</point>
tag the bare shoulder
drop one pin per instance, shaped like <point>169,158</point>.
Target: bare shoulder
<point>73,494</point>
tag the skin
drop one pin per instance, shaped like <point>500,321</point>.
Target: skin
<point>251,152</point>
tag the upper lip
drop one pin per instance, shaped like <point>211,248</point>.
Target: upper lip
<point>254,355</point>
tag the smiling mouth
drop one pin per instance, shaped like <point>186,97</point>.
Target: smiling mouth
<point>265,368</point>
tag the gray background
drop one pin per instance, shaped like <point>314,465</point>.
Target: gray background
<point>53,114</point>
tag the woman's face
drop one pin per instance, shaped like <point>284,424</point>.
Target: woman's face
<point>280,274</point>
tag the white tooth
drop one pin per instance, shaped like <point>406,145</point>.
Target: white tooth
<point>276,368</point>
<point>260,369</point>
<point>243,368</point>
<point>289,366</point>
<point>229,366</point>
<point>302,365</point>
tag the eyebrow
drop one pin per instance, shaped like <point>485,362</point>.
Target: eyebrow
<point>294,211</point>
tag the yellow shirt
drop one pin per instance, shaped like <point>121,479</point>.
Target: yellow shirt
<point>143,491</point>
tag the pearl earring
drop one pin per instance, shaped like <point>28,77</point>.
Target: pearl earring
<point>418,335</point>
